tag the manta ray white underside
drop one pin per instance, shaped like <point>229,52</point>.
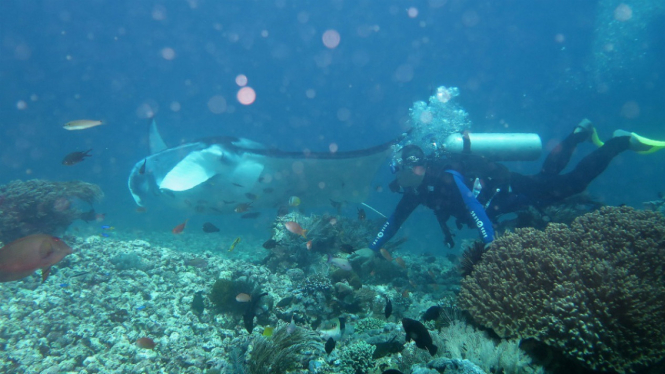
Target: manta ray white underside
<point>217,175</point>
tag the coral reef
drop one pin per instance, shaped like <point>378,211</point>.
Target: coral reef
<point>39,206</point>
<point>593,290</point>
<point>283,351</point>
<point>357,358</point>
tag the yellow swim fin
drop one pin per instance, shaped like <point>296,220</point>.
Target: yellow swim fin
<point>641,144</point>
<point>595,139</point>
<point>656,145</point>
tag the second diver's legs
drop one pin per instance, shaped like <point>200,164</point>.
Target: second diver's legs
<point>559,157</point>
<point>587,170</point>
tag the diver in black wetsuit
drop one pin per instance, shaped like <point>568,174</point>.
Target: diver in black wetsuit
<point>476,191</point>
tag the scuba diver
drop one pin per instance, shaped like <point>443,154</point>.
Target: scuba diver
<point>476,191</point>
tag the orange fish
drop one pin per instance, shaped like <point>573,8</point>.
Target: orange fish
<point>309,245</point>
<point>179,229</point>
<point>295,228</point>
<point>22,257</point>
<point>400,261</point>
<point>146,343</point>
<point>243,298</point>
<point>386,254</point>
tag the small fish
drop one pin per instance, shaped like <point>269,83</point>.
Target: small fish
<point>251,215</point>
<point>81,124</point>
<point>336,204</point>
<point>295,228</point>
<point>333,221</point>
<point>242,207</point>
<point>142,169</point>
<point>347,248</point>
<point>309,245</point>
<point>386,348</point>
<point>146,343</point>
<point>405,293</point>
<point>250,313</point>
<point>251,196</point>
<point>235,242</point>
<point>294,201</point>
<point>341,263</point>
<point>179,229</point>
<point>243,298</point>
<point>389,308</point>
<point>80,274</point>
<point>361,214</point>
<point>267,332</point>
<point>342,325</point>
<point>140,307</point>
<point>63,285</point>
<point>107,227</point>
<point>433,313</point>
<point>141,209</point>
<point>400,262</point>
<point>104,235</point>
<point>282,211</point>
<point>392,371</point>
<point>75,157</point>
<point>417,332</point>
<point>209,227</point>
<point>291,328</point>
<point>270,244</point>
<point>386,254</point>
<point>330,345</point>
<point>238,185</point>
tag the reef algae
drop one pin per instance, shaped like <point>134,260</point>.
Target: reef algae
<point>593,290</point>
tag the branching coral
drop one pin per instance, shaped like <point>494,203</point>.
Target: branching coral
<point>39,206</point>
<point>283,351</point>
<point>357,358</point>
<point>593,290</point>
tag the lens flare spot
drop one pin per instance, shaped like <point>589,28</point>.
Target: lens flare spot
<point>246,95</point>
<point>217,104</point>
<point>241,80</point>
<point>331,39</point>
<point>168,53</point>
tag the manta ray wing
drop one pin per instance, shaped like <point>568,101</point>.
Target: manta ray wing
<point>217,175</point>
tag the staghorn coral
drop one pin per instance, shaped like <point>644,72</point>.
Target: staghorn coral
<point>593,290</point>
<point>40,206</point>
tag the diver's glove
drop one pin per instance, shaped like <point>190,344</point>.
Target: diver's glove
<point>448,240</point>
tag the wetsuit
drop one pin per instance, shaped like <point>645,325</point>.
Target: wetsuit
<point>501,191</point>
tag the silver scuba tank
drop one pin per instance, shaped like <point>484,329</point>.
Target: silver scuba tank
<point>498,147</point>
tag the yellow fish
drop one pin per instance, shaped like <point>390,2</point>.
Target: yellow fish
<point>81,124</point>
<point>267,332</point>
<point>235,242</point>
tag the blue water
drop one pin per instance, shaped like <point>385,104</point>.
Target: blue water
<point>521,66</point>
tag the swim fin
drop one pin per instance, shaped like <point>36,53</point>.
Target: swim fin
<point>641,144</point>
<point>587,126</point>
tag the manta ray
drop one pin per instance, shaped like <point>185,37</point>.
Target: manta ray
<point>227,174</point>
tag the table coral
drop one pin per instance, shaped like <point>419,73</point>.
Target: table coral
<point>40,206</point>
<point>593,290</point>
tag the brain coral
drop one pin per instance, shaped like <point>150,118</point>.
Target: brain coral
<point>594,290</point>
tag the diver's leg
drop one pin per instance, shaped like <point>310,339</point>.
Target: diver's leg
<point>559,157</point>
<point>588,169</point>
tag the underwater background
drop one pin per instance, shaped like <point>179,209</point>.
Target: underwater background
<point>520,66</point>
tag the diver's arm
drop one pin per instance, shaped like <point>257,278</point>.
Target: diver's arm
<point>442,217</point>
<point>407,205</point>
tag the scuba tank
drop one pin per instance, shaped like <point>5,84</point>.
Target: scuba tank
<point>498,147</point>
